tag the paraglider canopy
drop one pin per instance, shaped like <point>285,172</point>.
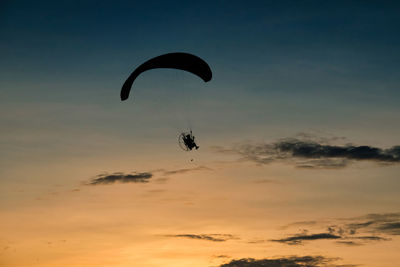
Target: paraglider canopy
<point>181,61</point>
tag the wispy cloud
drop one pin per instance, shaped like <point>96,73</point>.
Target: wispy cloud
<point>303,223</point>
<point>120,177</point>
<point>299,238</point>
<point>221,256</point>
<point>351,231</point>
<point>384,223</point>
<point>392,228</point>
<point>140,177</point>
<point>293,261</point>
<point>312,153</point>
<point>372,238</point>
<point>207,237</point>
<point>348,243</point>
<point>180,171</point>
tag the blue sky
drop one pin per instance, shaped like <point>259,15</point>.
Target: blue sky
<point>279,68</point>
<point>71,40</point>
<point>282,67</point>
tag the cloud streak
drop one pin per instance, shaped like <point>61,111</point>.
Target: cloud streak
<point>384,223</point>
<point>392,228</point>
<point>350,231</point>
<point>210,237</point>
<point>299,238</point>
<point>119,177</point>
<point>181,171</point>
<point>294,261</point>
<point>141,177</point>
<point>313,154</point>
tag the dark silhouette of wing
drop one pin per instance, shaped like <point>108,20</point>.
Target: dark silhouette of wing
<point>181,61</point>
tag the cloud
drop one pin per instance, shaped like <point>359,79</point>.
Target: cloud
<point>372,238</point>
<point>180,171</point>
<point>156,191</point>
<point>299,238</point>
<point>298,148</point>
<point>351,231</point>
<point>221,256</point>
<point>349,243</point>
<point>360,240</point>
<point>294,261</point>
<point>312,154</point>
<point>385,223</point>
<point>303,223</point>
<point>392,228</point>
<point>120,177</point>
<point>210,237</point>
<point>257,241</point>
<point>142,177</point>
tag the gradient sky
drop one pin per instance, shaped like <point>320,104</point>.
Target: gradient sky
<point>310,75</point>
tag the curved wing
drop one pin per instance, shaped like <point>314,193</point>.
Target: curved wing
<point>181,61</point>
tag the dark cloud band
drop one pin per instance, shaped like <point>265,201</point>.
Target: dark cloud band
<point>350,231</point>
<point>310,261</point>
<point>298,148</point>
<point>210,237</point>
<point>102,179</point>
<point>297,239</point>
<point>142,177</point>
<point>312,154</point>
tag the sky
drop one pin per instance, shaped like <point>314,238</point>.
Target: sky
<point>299,157</point>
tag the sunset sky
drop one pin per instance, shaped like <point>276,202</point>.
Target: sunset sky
<point>299,159</point>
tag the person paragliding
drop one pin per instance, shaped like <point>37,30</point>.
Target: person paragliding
<point>188,140</point>
<point>181,61</point>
